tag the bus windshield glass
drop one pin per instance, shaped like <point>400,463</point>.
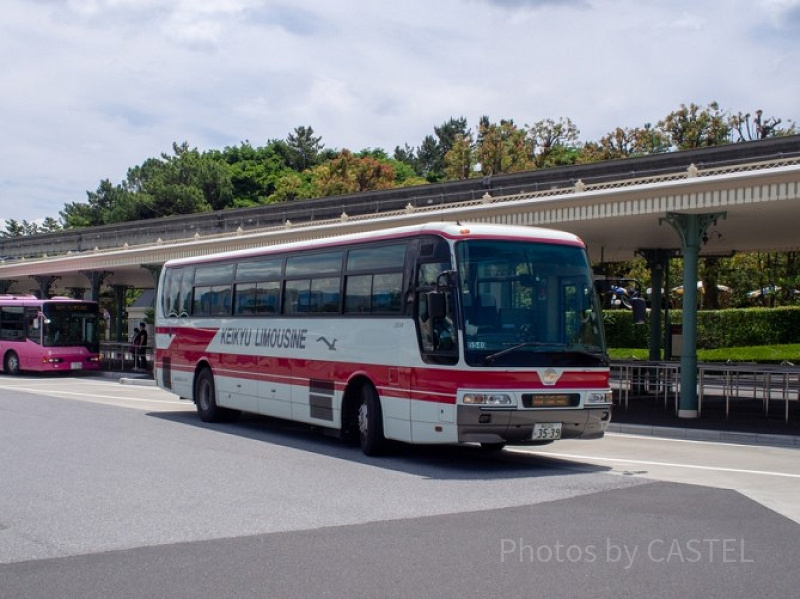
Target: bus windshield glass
<point>525,303</point>
<point>68,324</point>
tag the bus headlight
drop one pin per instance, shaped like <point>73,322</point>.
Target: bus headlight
<point>489,399</point>
<point>598,397</point>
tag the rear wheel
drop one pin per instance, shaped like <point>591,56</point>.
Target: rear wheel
<point>205,398</point>
<point>370,422</point>
<point>11,364</point>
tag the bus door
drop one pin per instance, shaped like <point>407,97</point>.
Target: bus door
<point>176,298</point>
<point>437,336</point>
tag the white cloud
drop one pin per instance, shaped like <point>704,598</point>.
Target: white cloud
<point>93,87</point>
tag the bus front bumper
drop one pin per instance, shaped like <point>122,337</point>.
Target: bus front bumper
<point>487,425</point>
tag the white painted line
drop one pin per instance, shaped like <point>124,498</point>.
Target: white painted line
<point>788,445</point>
<point>665,464</point>
<point>95,395</point>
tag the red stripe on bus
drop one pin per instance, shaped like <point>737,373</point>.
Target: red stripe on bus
<point>418,383</point>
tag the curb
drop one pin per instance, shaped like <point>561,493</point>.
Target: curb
<point>126,378</point>
<point>697,434</point>
<point>137,381</point>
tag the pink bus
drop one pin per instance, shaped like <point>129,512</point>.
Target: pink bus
<point>436,333</point>
<point>57,334</point>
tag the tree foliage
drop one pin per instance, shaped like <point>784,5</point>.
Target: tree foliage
<point>692,127</point>
<point>188,180</point>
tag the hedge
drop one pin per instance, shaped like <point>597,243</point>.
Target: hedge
<point>735,327</point>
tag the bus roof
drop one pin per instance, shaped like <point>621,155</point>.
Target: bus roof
<point>451,230</point>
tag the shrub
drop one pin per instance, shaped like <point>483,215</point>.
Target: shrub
<point>734,327</point>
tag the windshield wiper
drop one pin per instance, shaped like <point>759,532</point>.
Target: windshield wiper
<point>554,347</point>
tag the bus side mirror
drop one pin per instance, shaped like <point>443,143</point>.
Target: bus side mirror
<point>437,307</point>
<point>639,308</point>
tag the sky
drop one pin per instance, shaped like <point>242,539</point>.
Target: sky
<point>91,88</point>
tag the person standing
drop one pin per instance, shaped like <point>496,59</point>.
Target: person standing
<point>140,348</point>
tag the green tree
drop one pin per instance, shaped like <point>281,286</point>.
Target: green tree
<point>13,228</point>
<point>186,182</point>
<point>626,143</point>
<point>50,225</point>
<point>292,186</point>
<point>692,127</point>
<point>460,159</point>
<point>404,174</point>
<point>304,148</point>
<point>255,172</point>
<point>502,148</point>
<point>348,173</point>
<point>429,159</point>
<point>553,143</point>
<point>101,207</point>
<point>745,127</point>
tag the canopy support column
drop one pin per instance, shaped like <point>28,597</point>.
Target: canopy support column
<point>45,282</point>
<point>96,278</point>
<point>691,228</point>
<point>658,263</point>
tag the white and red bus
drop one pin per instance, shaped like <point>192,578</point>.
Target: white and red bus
<point>437,333</point>
<point>57,334</point>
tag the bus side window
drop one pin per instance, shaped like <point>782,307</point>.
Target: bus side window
<point>171,298</point>
<point>12,323</point>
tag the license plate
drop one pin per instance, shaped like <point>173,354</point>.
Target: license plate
<point>547,431</point>
<point>76,365</point>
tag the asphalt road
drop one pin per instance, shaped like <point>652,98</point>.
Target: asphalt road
<point>110,490</point>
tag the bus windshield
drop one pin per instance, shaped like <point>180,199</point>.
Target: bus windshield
<point>70,324</point>
<point>525,303</point>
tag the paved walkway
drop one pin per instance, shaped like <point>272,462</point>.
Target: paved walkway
<point>746,422</point>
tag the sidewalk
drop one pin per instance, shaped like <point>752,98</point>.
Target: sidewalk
<point>747,422</point>
<point>128,377</point>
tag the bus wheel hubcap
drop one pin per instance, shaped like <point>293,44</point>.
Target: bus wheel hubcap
<point>362,419</point>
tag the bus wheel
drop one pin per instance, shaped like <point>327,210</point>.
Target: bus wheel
<point>11,365</point>
<point>370,422</point>
<point>205,398</point>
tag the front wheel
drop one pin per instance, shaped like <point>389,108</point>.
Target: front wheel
<point>11,365</point>
<point>205,398</point>
<point>370,422</point>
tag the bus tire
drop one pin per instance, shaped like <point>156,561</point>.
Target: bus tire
<point>205,398</point>
<point>11,363</point>
<point>370,422</point>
